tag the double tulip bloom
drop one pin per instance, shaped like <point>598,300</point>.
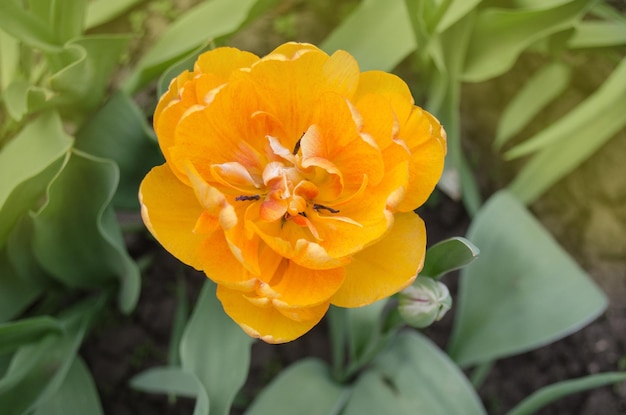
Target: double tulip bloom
<point>291,181</point>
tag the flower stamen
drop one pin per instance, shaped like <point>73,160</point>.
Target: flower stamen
<point>318,207</point>
<point>245,198</point>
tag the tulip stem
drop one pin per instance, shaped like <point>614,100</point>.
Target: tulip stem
<point>337,322</point>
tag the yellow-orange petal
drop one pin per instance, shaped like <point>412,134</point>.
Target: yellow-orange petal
<point>387,266</point>
<point>263,320</point>
<point>170,210</point>
<point>291,50</point>
<point>223,61</point>
<point>390,86</point>
<point>304,287</point>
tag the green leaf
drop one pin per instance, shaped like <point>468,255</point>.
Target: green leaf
<point>102,11</point>
<point>387,40</point>
<point>9,59</point>
<point>221,370</point>
<point>16,293</point>
<point>21,98</point>
<point>574,138</point>
<point>77,239</point>
<point>27,164</point>
<point>27,27</point>
<point>305,387</point>
<point>67,19</point>
<point>447,256</point>
<point>524,291</point>
<point>365,334</point>
<point>551,393</point>
<point>118,131</point>
<point>21,332</point>
<point>454,11</point>
<point>414,377</point>
<point>77,394</point>
<point>598,35</point>
<point>587,114</point>
<point>37,371</point>
<point>500,35</point>
<point>175,381</point>
<point>542,88</point>
<point>87,63</point>
<point>196,28</point>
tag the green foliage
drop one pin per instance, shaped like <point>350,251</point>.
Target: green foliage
<point>447,256</point>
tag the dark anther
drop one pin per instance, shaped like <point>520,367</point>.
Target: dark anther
<point>243,198</point>
<point>297,146</point>
<point>322,207</point>
<point>302,214</point>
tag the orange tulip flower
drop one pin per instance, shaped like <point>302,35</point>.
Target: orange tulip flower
<point>291,181</point>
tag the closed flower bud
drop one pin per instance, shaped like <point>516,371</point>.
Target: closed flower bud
<point>424,302</point>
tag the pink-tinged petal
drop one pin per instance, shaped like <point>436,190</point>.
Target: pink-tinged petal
<point>223,61</point>
<point>386,267</point>
<point>262,320</point>
<point>170,210</point>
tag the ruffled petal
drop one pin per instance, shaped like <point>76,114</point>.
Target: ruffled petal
<point>386,267</point>
<point>390,86</point>
<point>259,318</point>
<point>170,210</point>
<point>223,61</point>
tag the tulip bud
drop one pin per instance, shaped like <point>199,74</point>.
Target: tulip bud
<point>424,302</point>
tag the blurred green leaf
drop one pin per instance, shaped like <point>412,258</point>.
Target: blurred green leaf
<point>598,35</point>
<point>21,98</point>
<point>27,164</point>
<point>387,40</point>
<point>87,65</point>
<point>500,35</point>
<point>365,337</point>
<point>524,291</point>
<point>102,11</point>
<point>305,387</point>
<point>541,89</point>
<point>16,293</point>
<point>413,376</point>
<point>24,331</point>
<point>453,11</point>
<point>588,114</point>
<point>77,239</point>
<point>77,394</point>
<point>574,138</point>
<point>119,131</point>
<point>37,370</point>
<point>175,381</point>
<point>195,28</point>
<point>447,256</point>
<point>221,370</point>
<point>67,18</point>
<point>531,404</point>
<point>27,27</point>
<point>9,59</point>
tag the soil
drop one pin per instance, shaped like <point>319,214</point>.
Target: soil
<point>586,212</point>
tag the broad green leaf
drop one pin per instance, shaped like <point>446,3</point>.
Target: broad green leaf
<point>21,98</point>
<point>414,377</point>
<point>16,293</point>
<point>102,11</point>
<point>197,27</point>
<point>27,27</point>
<point>21,332</point>
<point>587,114</point>
<point>524,291</point>
<point>118,131</point>
<point>37,371</point>
<point>387,40</point>
<point>365,331</point>
<point>448,255</point>
<point>541,89</point>
<point>89,63</point>
<point>500,35</point>
<point>551,393</point>
<point>454,11</point>
<point>27,164</point>
<point>604,116</point>
<point>305,387</point>
<point>77,394</point>
<point>67,19</point>
<point>174,381</point>
<point>77,239</point>
<point>9,59</point>
<point>598,35</point>
<point>221,370</point>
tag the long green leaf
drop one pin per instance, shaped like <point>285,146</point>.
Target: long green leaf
<point>541,89</point>
<point>598,35</point>
<point>102,11</point>
<point>571,147</point>
<point>21,332</point>
<point>77,395</point>
<point>26,26</point>
<point>27,164</point>
<point>524,291</point>
<point>306,387</point>
<point>500,35</point>
<point>198,26</point>
<point>77,239</point>
<point>447,256</point>
<point>387,40</point>
<point>551,393</point>
<point>221,370</point>
<point>9,59</point>
<point>16,293</point>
